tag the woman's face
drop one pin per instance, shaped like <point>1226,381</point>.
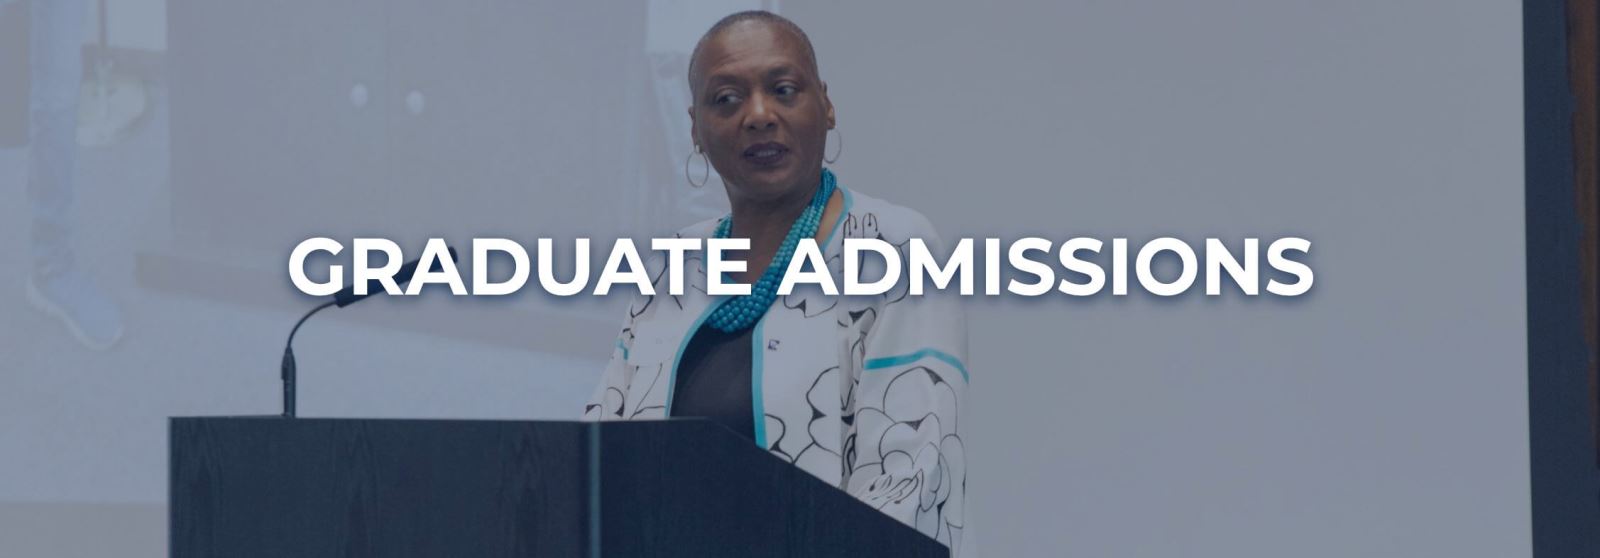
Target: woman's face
<point>760,112</point>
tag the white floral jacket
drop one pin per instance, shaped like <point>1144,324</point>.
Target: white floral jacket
<point>864,392</point>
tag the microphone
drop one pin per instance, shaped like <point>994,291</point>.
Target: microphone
<point>343,298</point>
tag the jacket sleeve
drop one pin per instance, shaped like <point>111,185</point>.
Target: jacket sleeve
<point>904,451</point>
<point>607,400</point>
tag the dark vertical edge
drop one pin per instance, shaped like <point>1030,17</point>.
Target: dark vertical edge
<point>1564,483</point>
<point>1582,48</point>
<point>592,477</point>
<point>1583,72</point>
<point>172,487</point>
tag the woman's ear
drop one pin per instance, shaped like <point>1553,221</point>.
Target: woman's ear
<point>828,103</point>
<point>694,127</point>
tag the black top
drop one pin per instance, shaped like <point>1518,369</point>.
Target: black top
<point>714,380</point>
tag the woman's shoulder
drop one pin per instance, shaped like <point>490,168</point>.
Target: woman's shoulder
<point>870,217</point>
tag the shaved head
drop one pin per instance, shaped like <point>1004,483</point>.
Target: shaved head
<point>758,16</point>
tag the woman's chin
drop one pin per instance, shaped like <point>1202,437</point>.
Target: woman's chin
<point>776,170</point>
<point>773,181</point>
<point>766,182</point>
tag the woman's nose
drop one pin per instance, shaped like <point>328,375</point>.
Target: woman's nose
<point>759,117</point>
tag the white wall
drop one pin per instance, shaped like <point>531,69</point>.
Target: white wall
<point>1384,414</point>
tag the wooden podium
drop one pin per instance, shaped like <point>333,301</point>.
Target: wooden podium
<point>275,487</point>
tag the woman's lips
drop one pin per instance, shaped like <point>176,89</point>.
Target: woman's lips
<point>769,154</point>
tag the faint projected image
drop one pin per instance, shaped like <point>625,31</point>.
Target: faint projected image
<point>112,101</point>
<point>58,284</point>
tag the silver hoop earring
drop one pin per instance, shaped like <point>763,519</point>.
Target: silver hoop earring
<point>836,152</point>
<point>707,173</point>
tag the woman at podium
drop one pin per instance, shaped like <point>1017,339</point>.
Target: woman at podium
<point>864,392</point>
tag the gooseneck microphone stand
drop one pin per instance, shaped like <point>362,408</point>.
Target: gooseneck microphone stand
<point>288,367</point>
<point>343,298</point>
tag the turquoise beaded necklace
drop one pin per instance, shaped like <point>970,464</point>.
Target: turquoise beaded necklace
<point>741,312</point>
